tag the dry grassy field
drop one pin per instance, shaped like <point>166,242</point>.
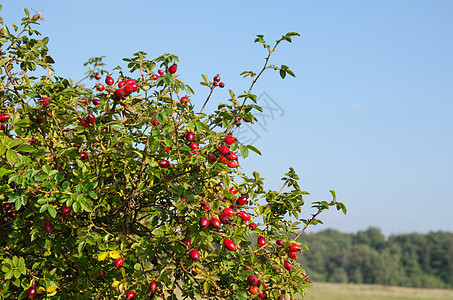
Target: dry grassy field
<point>332,291</point>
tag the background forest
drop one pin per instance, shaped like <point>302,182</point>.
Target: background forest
<point>412,260</point>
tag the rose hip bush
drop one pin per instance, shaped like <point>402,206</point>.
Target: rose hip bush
<point>116,187</point>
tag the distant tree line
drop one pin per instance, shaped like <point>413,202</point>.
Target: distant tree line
<point>412,260</point>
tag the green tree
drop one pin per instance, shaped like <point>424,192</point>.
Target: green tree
<point>125,190</point>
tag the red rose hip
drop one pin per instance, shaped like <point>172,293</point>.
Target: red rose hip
<point>229,244</point>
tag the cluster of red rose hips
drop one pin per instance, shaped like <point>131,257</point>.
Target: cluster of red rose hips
<point>227,156</point>
<point>217,81</point>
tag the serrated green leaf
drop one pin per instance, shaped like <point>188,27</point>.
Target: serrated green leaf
<point>244,151</point>
<point>11,156</point>
<point>9,274</point>
<point>25,148</point>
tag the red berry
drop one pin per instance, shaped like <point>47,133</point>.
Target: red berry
<point>212,158</point>
<point>261,241</point>
<point>217,78</point>
<point>231,156</point>
<point>194,146</point>
<point>91,118</point>
<point>233,190</point>
<point>85,101</point>
<point>229,244</point>
<point>215,222</point>
<point>165,163</point>
<point>47,227</point>
<point>153,286</point>
<point>134,87</point>
<point>7,206</point>
<point>244,216</point>
<point>184,100</point>
<point>294,247</point>
<point>130,295</point>
<point>167,149</point>
<point>45,101</point>
<point>155,122</point>
<point>100,87</point>
<point>190,136</point>
<point>172,69</point>
<point>262,295</point>
<point>128,89</point>
<point>204,222</point>
<point>246,120</point>
<point>287,265</point>
<point>252,280</point>
<point>292,254</point>
<point>229,212</point>
<point>221,84</point>
<point>129,81</point>
<point>252,226</point>
<point>232,164</point>
<point>120,93</point>
<point>121,83</point>
<point>279,242</point>
<point>118,262</point>
<point>224,219</point>
<point>224,150</point>
<point>253,290</point>
<point>155,76</point>
<point>84,123</point>
<point>83,155</point>
<point>194,254</point>
<point>237,122</point>
<point>109,80</point>
<point>97,76</point>
<point>161,72</point>
<point>205,206</point>
<point>4,118</point>
<point>66,211</point>
<point>187,241</point>
<point>223,160</point>
<point>229,139</point>
<point>241,200</point>
<point>31,293</point>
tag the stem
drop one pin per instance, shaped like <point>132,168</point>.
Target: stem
<point>206,102</point>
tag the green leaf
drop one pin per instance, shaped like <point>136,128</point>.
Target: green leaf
<point>244,151</point>
<point>25,148</point>
<point>46,169</point>
<point>44,208</point>
<point>15,142</point>
<point>9,274</point>
<point>15,261</point>
<point>4,61</point>
<point>80,247</point>
<point>282,74</point>
<point>52,211</point>
<point>205,78</point>
<point>11,156</point>
<point>254,149</point>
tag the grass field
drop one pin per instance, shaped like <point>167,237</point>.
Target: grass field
<point>333,291</point>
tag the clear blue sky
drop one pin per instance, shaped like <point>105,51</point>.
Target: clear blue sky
<point>368,115</point>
